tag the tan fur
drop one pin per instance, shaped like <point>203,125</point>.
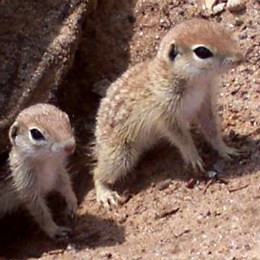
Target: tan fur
<point>38,166</point>
<point>159,99</point>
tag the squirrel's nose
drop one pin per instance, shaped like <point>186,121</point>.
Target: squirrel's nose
<point>70,148</point>
<point>236,59</point>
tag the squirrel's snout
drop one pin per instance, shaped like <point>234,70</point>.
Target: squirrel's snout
<point>67,146</point>
<point>235,60</point>
<point>70,148</point>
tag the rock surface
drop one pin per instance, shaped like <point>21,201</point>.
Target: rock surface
<point>37,42</point>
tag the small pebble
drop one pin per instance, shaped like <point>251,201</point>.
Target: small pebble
<point>106,255</point>
<point>163,184</point>
<point>212,174</point>
<point>236,5</point>
<point>71,247</point>
<point>190,184</point>
<point>208,4</point>
<point>242,162</point>
<point>219,8</point>
<point>166,211</point>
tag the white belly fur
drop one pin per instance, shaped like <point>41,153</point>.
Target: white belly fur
<point>47,176</point>
<point>191,102</point>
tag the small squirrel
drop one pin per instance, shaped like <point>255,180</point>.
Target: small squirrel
<point>42,139</point>
<point>160,98</point>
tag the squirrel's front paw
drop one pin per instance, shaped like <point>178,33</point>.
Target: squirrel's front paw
<point>107,198</point>
<point>58,231</point>
<point>227,152</point>
<point>72,206</point>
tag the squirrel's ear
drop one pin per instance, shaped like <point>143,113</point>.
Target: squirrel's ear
<point>13,132</point>
<point>173,52</point>
<point>168,51</point>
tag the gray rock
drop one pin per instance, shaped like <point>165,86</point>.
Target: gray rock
<point>37,41</point>
<point>211,174</point>
<point>219,8</point>
<point>236,5</point>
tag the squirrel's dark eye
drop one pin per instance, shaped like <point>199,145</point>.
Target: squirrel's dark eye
<point>203,52</point>
<point>37,135</point>
<point>173,52</point>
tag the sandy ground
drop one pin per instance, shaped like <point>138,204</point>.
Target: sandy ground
<point>169,213</point>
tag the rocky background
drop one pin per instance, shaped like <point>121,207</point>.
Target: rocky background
<point>38,40</point>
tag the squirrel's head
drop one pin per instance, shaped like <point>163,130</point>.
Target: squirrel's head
<point>199,47</point>
<point>42,131</point>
